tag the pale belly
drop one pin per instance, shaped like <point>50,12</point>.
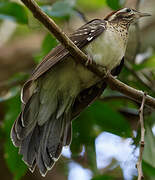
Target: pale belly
<point>107,50</point>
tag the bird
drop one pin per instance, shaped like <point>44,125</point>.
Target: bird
<point>60,88</point>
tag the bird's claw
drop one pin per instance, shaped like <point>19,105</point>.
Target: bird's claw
<point>105,71</point>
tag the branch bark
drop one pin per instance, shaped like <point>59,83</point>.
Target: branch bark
<point>81,57</point>
<point>142,143</point>
<point>137,95</point>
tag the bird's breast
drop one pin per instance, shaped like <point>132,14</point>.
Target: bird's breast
<point>109,48</point>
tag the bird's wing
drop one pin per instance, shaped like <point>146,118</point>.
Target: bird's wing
<point>81,37</point>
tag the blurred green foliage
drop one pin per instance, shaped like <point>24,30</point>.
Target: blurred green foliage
<point>99,117</point>
<point>104,177</point>
<point>13,11</point>
<point>150,63</point>
<point>13,159</point>
<point>48,43</point>
<point>91,5</point>
<point>60,9</point>
<point>115,4</point>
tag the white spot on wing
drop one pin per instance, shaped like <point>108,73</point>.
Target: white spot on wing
<point>93,30</point>
<point>102,25</point>
<point>89,38</point>
<point>80,34</point>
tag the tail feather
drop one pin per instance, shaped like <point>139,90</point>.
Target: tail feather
<point>30,111</point>
<point>29,147</point>
<point>14,138</point>
<point>41,145</point>
<point>68,137</point>
<point>44,125</point>
<point>68,130</point>
<point>41,164</point>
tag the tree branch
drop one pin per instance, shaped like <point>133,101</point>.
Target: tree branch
<point>137,95</point>
<point>81,57</point>
<point>141,149</point>
<point>116,97</point>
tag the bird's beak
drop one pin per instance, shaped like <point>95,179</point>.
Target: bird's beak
<point>143,14</point>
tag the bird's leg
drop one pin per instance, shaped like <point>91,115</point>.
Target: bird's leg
<point>104,69</point>
<point>90,60</point>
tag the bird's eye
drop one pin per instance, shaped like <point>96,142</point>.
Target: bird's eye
<point>128,10</point>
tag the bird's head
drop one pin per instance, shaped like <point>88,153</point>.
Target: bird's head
<point>126,16</point>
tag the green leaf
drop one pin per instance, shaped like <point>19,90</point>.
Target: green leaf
<point>91,157</point>
<point>148,169</point>
<point>108,119</point>
<point>95,119</point>
<point>15,79</point>
<point>115,4</point>
<point>91,5</point>
<point>13,11</point>
<point>83,133</point>
<point>11,93</point>
<point>76,148</point>
<point>48,44</point>
<point>18,77</point>
<point>149,63</point>
<point>103,177</point>
<point>59,9</point>
<point>13,159</point>
<point>83,130</point>
<point>149,150</point>
<point>13,107</point>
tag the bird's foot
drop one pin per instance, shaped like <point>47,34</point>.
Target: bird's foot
<point>105,71</point>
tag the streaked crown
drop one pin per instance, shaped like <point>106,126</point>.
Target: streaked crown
<point>127,15</point>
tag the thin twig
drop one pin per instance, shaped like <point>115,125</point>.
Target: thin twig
<point>141,149</point>
<point>116,97</point>
<point>81,15</point>
<point>112,97</point>
<point>140,76</point>
<point>137,95</point>
<point>81,57</point>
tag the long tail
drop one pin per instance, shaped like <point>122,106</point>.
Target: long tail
<point>43,128</point>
